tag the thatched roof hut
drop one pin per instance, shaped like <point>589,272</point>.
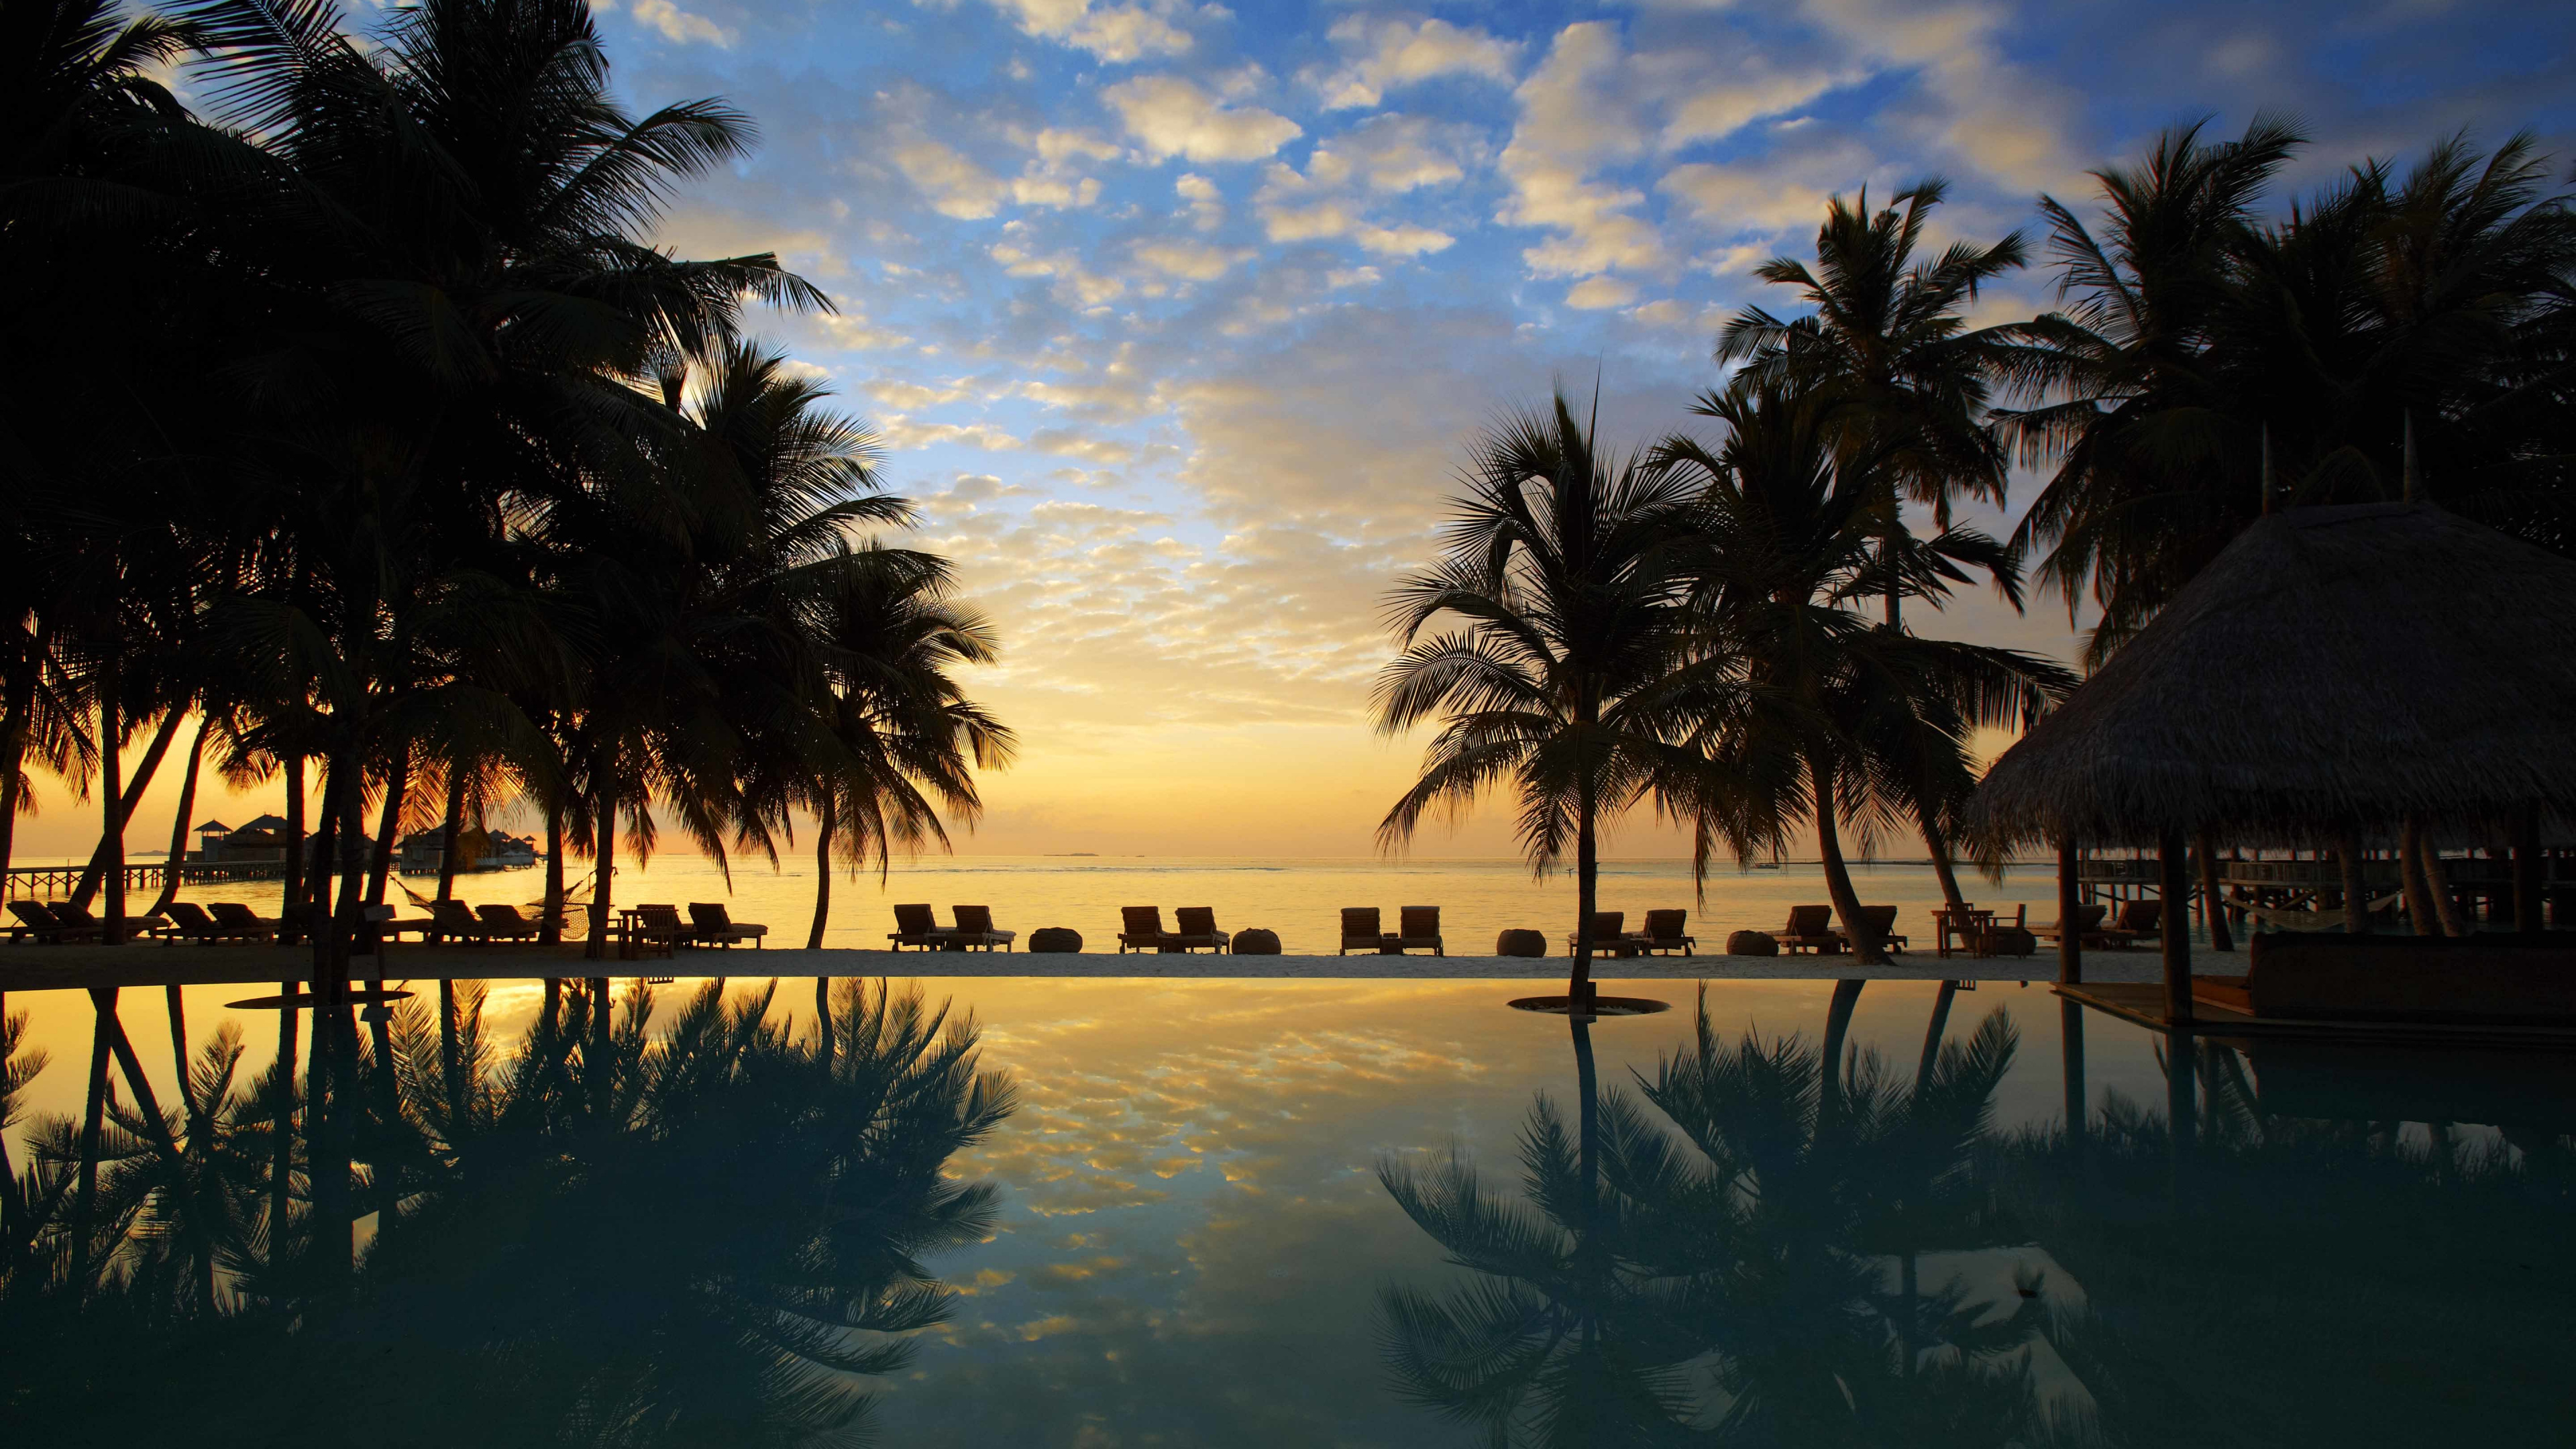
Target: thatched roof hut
<point>2335,669</point>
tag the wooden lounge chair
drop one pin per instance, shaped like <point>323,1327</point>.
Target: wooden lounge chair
<point>239,917</point>
<point>1143,930</point>
<point>456,920</point>
<point>655,931</point>
<point>1810,928</point>
<point>72,917</point>
<point>1196,929</point>
<point>976,932</point>
<point>1881,919</point>
<point>1417,928</point>
<point>1360,930</point>
<point>2141,921</point>
<point>715,926</point>
<point>2088,920</point>
<point>918,927</point>
<point>189,921</point>
<point>1664,933</point>
<point>38,923</point>
<point>504,923</point>
<point>1608,937</point>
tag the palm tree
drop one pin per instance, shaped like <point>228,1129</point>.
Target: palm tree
<point>1565,676</point>
<point>1852,722</point>
<point>1905,384</point>
<point>2154,472</point>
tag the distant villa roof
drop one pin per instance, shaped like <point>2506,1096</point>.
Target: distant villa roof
<point>266,822</point>
<point>213,826</point>
<point>2332,669</point>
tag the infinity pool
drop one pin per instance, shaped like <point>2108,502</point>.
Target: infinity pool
<point>1294,1213</point>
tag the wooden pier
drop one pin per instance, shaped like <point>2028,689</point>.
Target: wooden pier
<point>46,881</point>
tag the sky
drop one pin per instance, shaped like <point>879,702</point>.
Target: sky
<point>1173,318</point>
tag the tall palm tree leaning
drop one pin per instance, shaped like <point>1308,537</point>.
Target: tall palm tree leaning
<point>1904,383</point>
<point>1563,674</point>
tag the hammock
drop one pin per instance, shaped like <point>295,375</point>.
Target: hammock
<point>2319,920</point>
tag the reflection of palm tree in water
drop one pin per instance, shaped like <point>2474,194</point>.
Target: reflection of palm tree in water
<point>1725,1269</point>
<point>729,1250</point>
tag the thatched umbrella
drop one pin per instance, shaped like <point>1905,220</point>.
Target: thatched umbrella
<point>2334,670</point>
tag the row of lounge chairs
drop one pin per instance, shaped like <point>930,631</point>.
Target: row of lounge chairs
<point>919,928</point>
<point>1664,932</point>
<point>53,923</point>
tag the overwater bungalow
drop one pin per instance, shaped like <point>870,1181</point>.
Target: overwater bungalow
<point>2375,677</point>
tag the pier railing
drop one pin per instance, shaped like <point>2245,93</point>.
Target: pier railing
<point>62,880</point>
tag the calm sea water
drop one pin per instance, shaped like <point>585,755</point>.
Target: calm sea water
<point>1192,1242</point>
<point>1301,899</point>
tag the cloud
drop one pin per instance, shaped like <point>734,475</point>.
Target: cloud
<point>911,396</point>
<point>1575,113</point>
<point>1074,283</point>
<point>1992,115</point>
<point>1352,277</point>
<point>1347,175</point>
<point>901,434</point>
<point>953,184</point>
<point>1596,293</point>
<point>1115,33</point>
<point>1169,117</point>
<point>676,25</point>
<point>1190,260</point>
<point>1382,52</point>
<point>1207,204</point>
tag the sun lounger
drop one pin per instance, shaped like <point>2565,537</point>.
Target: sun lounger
<point>71,917</point>
<point>1196,929</point>
<point>504,923</point>
<point>1360,930</point>
<point>1418,929</point>
<point>715,926</point>
<point>975,930</point>
<point>1663,933</point>
<point>1881,920</point>
<point>1607,935</point>
<point>189,921</point>
<point>1142,930</point>
<point>2141,921</point>
<point>1810,928</point>
<point>37,922</point>
<point>918,927</point>
<point>240,917</point>
<point>653,931</point>
<point>456,920</point>
<point>2088,919</point>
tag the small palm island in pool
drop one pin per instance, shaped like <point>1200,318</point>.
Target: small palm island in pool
<point>1122,723</point>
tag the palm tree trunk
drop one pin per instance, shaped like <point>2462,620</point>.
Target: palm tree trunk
<point>604,856</point>
<point>2410,871</point>
<point>2526,872</point>
<point>822,874</point>
<point>156,1127</point>
<point>2356,889</point>
<point>85,1187</point>
<point>2446,906</point>
<point>290,907</point>
<point>1838,1018</point>
<point>170,874</point>
<point>1933,1032</point>
<point>380,869</point>
<point>1942,865</point>
<point>823,1018</point>
<point>178,1003</point>
<point>111,838</point>
<point>2070,941</point>
<point>1838,883</point>
<point>2213,905</point>
<point>17,719</point>
<point>1579,995</point>
<point>453,823</point>
<point>129,798</point>
<point>551,933</point>
<point>281,1181</point>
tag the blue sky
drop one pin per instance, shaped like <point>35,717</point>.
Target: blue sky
<point>1173,316</point>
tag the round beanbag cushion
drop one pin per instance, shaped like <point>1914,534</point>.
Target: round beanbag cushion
<point>1751,943</point>
<point>1055,940</point>
<point>1256,942</point>
<point>1521,943</point>
<point>2014,941</point>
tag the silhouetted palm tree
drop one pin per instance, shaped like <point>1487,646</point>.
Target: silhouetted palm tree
<point>1565,676</point>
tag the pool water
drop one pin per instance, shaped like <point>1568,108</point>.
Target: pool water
<point>1323,1213</point>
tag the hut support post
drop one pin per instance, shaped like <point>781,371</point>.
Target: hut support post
<point>2176,933</point>
<point>2070,941</point>
<point>2526,871</point>
<point>2410,870</point>
<point>2356,890</point>
<point>2213,906</point>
